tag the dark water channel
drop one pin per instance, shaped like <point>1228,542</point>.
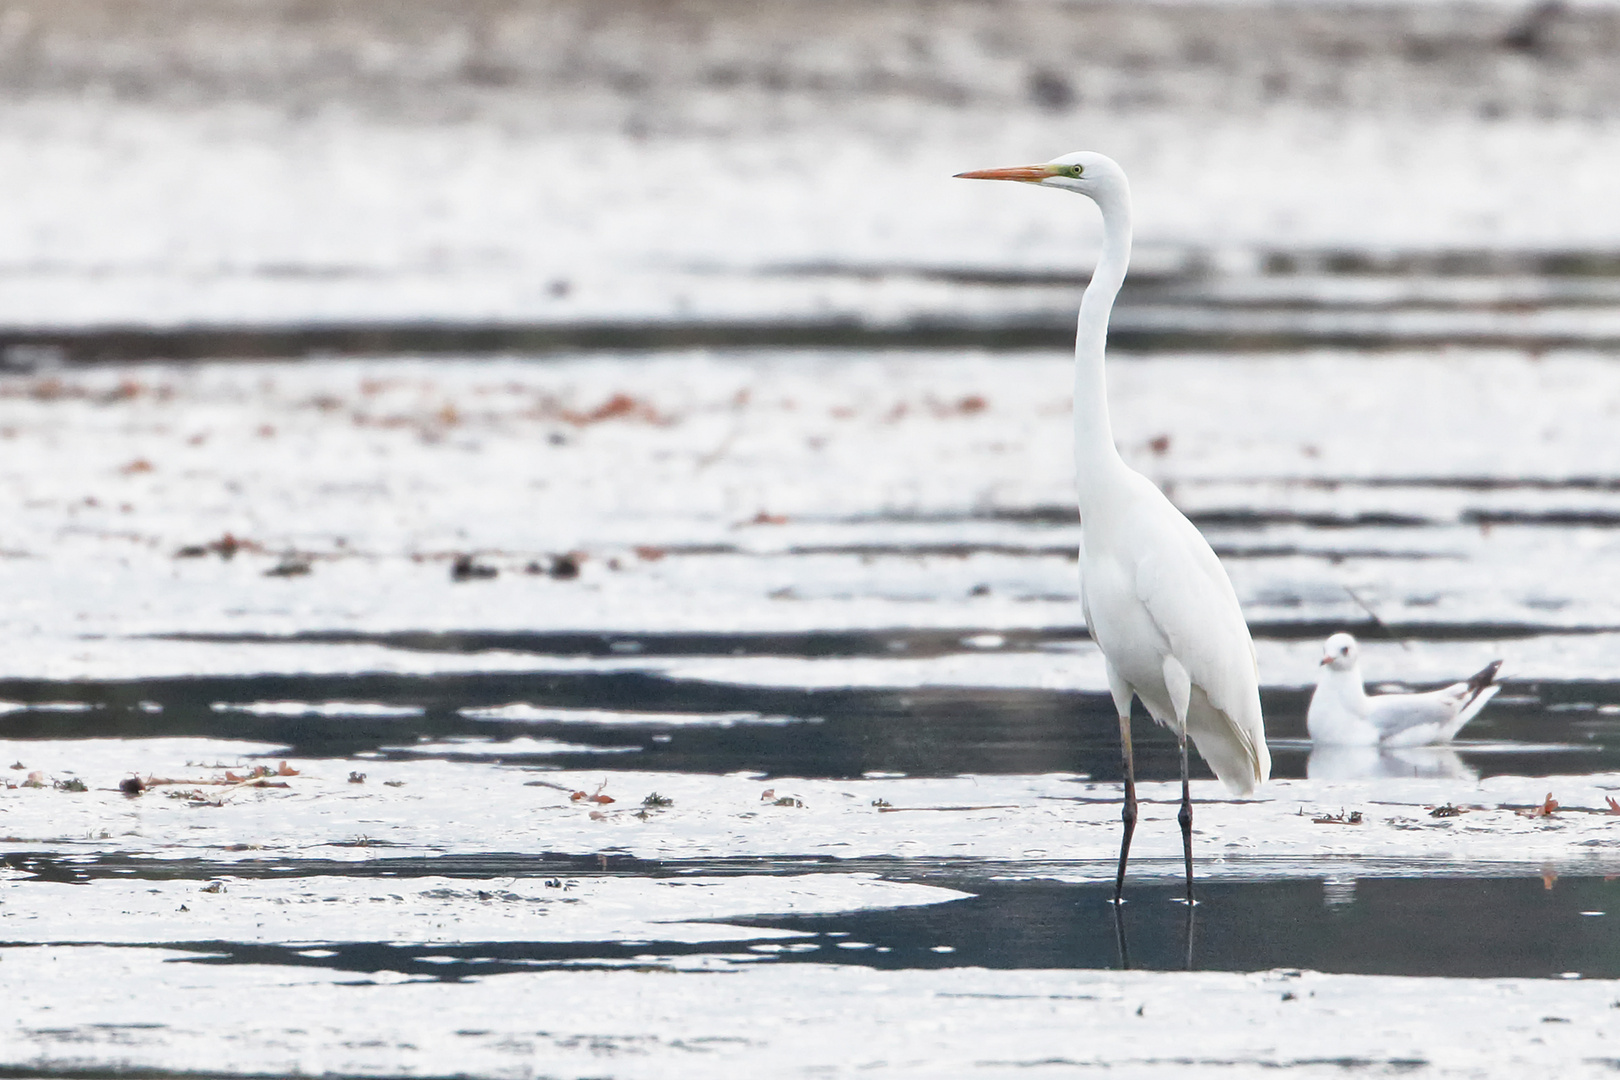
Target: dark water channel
<point>1526,926</point>
<point>1456,927</point>
<point>1544,728</point>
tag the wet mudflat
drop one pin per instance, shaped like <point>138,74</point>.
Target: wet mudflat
<point>585,715</point>
<point>641,638</point>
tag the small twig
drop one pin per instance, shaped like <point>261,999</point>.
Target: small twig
<point>1382,626</point>
<point>159,781</point>
<point>941,809</point>
<point>1341,818</point>
<point>547,783</point>
<point>720,451</point>
<point>254,782</point>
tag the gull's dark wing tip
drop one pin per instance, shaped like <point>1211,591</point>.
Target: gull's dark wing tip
<point>1484,677</point>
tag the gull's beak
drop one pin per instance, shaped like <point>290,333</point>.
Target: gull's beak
<point>1028,174</point>
<point>1325,661</point>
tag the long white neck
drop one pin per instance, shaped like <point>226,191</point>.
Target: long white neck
<point>1096,459</point>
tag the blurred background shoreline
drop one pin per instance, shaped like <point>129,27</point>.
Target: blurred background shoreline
<point>206,178</point>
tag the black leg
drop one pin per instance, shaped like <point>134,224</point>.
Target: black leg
<point>1128,816</point>
<point>1185,817</point>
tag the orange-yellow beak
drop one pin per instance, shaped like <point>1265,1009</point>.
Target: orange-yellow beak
<point>1028,174</point>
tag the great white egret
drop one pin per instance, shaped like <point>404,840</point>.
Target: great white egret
<point>1341,713</point>
<point>1154,596</point>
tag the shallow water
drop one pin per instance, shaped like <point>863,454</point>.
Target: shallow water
<point>1468,927</point>
<point>1536,729</point>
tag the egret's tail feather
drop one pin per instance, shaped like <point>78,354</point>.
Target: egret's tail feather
<point>1236,754</point>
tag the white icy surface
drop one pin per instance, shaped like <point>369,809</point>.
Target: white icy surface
<point>75,1005</point>
<point>518,712</point>
<point>473,746</point>
<point>427,910</point>
<point>858,471</point>
<point>1052,825</point>
<point>317,708</point>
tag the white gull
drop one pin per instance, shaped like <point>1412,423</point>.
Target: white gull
<point>1342,713</point>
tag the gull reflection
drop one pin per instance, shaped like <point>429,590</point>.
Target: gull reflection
<point>1376,762</point>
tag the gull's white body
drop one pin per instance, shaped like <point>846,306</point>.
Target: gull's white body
<point>1343,714</point>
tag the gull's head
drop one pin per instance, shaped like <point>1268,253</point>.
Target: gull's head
<point>1091,174</point>
<point>1340,653</point>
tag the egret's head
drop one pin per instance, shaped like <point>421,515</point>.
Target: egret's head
<point>1340,652</point>
<point>1089,173</point>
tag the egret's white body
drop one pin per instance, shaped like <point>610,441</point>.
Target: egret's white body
<point>1155,597</point>
<point>1343,714</point>
<point>1164,614</point>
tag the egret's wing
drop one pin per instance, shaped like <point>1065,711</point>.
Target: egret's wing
<point>1191,602</point>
